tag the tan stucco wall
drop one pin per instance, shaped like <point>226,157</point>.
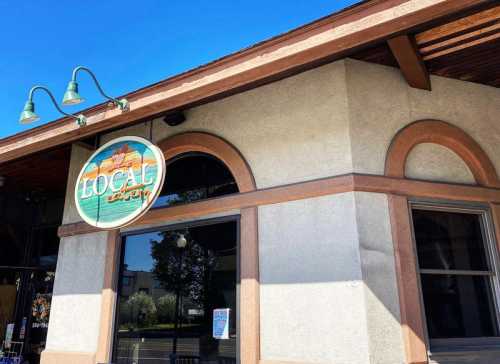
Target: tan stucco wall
<point>381,103</point>
<point>328,287</point>
<point>289,131</point>
<point>434,162</point>
<point>312,293</point>
<point>328,283</point>
<point>379,277</point>
<point>76,300</point>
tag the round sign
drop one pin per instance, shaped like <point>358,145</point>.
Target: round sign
<point>119,182</point>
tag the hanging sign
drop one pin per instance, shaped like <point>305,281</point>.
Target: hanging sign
<point>119,182</point>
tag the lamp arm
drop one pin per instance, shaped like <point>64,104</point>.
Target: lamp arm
<point>79,118</point>
<point>101,91</point>
<point>34,88</point>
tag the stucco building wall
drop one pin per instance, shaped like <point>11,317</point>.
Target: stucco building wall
<point>328,282</point>
<point>434,162</point>
<point>289,131</point>
<point>381,103</point>
<point>312,292</point>
<point>76,301</point>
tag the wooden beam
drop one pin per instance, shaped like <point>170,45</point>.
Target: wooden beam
<point>460,26</point>
<point>459,47</point>
<point>461,39</point>
<point>470,31</point>
<point>305,47</point>
<point>410,62</point>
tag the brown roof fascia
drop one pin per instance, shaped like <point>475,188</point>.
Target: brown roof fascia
<point>332,35</point>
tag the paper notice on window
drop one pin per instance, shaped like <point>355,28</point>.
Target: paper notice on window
<point>221,323</point>
<point>8,335</point>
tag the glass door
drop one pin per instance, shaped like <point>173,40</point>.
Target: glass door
<point>177,295</point>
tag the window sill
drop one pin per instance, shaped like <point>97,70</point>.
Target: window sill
<point>471,354</point>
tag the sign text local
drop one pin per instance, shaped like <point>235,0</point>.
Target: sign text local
<point>121,191</point>
<point>119,182</point>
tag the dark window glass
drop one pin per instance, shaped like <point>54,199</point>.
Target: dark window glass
<point>45,247</point>
<point>448,240</point>
<point>176,278</point>
<point>195,176</point>
<point>9,288</point>
<point>458,306</point>
<point>456,276</point>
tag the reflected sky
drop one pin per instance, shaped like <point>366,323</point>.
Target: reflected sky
<point>138,251</point>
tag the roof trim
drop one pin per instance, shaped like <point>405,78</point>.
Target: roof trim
<point>326,38</point>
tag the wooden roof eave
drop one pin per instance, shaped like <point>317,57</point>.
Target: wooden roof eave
<point>333,35</point>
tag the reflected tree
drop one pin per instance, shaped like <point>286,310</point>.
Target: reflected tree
<point>166,308</point>
<point>184,267</point>
<point>142,309</point>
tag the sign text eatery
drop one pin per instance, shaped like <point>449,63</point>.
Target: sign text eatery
<point>119,182</point>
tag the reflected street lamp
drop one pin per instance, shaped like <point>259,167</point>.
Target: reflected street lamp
<point>181,243</point>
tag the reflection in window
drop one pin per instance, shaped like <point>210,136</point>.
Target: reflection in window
<point>195,176</point>
<point>456,274</point>
<point>126,281</point>
<point>175,279</point>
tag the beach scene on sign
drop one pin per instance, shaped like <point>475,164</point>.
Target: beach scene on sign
<point>117,182</point>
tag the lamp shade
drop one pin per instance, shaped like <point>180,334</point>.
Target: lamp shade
<point>181,241</point>
<point>28,114</point>
<point>71,96</point>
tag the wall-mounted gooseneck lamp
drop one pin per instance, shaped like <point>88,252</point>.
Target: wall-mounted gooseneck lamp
<point>72,97</point>
<point>28,114</point>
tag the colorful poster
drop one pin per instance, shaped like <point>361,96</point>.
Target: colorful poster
<point>40,310</point>
<point>119,182</point>
<point>220,328</point>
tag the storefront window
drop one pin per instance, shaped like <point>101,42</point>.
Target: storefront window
<point>171,282</point>
<point>26,295</point>
<point>457,274</point>
<point>195,176</point>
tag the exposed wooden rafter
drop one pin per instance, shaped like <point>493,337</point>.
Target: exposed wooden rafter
<point>473,30</point>
<point>410,62</point>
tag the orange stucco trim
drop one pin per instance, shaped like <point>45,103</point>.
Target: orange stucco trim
<point>65,357</point>
<point>302,190</point>
<point>447,135</point>
<point>213,145</point>
<point>108,298</point>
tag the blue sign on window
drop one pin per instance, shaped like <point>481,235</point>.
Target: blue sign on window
<point>221,323</point>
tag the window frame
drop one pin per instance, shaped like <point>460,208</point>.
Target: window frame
<point>492,255</point>
<point>236,217</point>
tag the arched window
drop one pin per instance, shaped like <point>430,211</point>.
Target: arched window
<point>185,274</point>
<point>195,176</point>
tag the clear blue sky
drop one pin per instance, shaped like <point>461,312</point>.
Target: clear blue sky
<point>128,44</point>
